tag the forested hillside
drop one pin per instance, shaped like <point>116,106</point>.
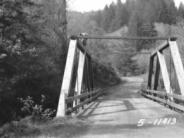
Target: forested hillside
<point>132,18</point>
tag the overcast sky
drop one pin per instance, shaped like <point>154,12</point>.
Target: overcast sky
<point>89,5</point>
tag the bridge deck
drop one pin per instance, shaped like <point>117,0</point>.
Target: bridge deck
<point>118,112</point>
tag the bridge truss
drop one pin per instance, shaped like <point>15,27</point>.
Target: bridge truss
<point>78,81</point>
<point>168,96</point>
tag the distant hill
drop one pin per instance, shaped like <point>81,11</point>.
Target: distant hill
<point>163,30</point>
<point>117,53</point>
<point>120,32</point>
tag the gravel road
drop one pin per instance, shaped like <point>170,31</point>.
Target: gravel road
<point>123,113</point>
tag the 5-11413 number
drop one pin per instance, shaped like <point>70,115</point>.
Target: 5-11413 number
<point>157,122</point>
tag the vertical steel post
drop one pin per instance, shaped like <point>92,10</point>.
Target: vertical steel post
<point>157,73</point>
<point>149,85</point>
<point>80,75</point>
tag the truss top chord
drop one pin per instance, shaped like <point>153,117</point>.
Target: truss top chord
<point>122,38</point>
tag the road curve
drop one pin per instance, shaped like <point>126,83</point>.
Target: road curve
<point>123,113</point>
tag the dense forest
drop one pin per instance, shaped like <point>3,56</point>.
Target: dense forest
<point>139,12</point>
<point>132,18</point>
<point>33,49</point>
<point>33,46</point>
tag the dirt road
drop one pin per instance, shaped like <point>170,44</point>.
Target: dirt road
<point>124,113</point>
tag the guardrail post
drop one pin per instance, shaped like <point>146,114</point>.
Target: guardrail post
<point>65,88</point>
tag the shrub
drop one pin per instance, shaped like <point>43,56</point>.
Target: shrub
<point>37,111</point>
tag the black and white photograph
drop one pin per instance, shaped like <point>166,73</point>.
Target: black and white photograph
<point>91,68</point>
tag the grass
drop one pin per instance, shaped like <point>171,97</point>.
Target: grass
<point>61,127</point>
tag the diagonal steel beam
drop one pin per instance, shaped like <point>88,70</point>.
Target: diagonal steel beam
<point>65,88</point>
<point>165,74</point>
<point>178,65</point>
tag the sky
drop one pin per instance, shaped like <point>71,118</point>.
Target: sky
<point>93,5</point>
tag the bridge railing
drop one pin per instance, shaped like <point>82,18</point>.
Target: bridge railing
<point>168,95</point>
<point>78,81</point>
